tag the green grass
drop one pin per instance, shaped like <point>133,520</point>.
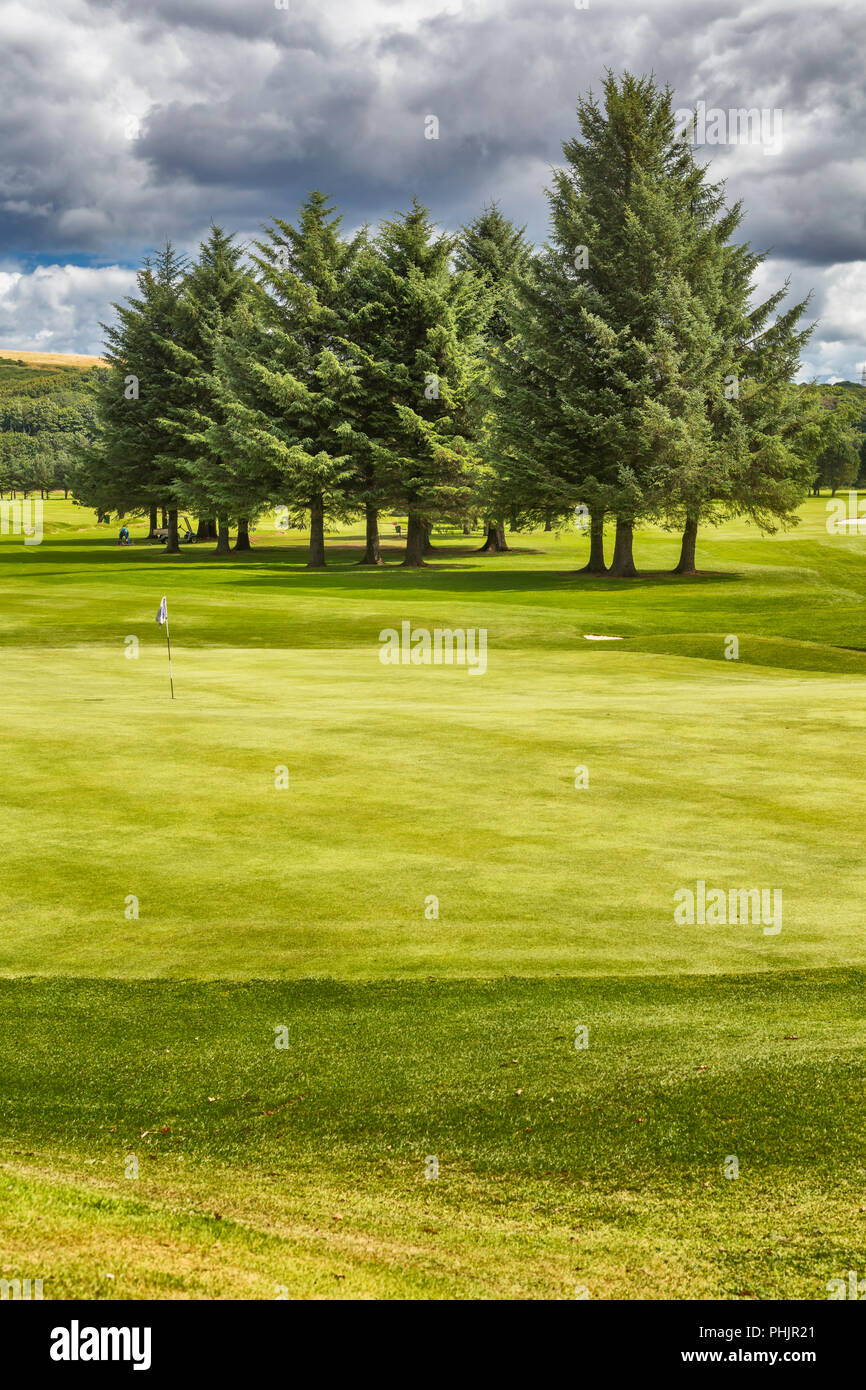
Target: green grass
<point>411,1037</point>
<point>557,1166</point>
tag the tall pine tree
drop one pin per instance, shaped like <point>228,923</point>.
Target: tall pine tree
<point>130,465</point>
<point>287,382</point>
<point>496,252</point>
<point>630,327</point>
<point>208,478</point>
<point>416,331</point>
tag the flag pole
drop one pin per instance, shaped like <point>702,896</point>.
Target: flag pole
<point>162,618</point>
<point>168,643</point>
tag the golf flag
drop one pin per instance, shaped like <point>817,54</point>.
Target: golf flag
<point>162,619</point>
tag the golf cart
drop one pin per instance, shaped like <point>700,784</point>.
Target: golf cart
<point>185,533</point>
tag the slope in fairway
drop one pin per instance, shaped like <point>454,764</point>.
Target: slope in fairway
<point>439,830</point>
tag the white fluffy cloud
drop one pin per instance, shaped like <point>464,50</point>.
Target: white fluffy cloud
<point>123,123</point>
<point>58,308</point>
<point>838,349</point>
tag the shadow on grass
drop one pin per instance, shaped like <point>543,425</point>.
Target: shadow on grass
<point>450,567</point>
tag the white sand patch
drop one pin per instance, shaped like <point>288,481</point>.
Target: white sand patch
<point>597,637</point>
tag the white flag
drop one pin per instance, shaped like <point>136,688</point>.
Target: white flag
<point>162,615</point>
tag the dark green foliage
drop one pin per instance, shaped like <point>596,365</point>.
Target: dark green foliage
<point>133,463</point>
<point>621,387</point>
<point>210,478</point>
<point>286,383</point>
<point>415,328</point>
<point>623,369</point>
<point>496,252</point>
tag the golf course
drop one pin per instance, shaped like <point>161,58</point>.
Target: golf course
<point>328,978</point>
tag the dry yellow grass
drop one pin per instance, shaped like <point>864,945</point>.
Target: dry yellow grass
<point>53,359</point>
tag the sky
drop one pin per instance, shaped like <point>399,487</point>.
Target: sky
<point>123,123</point>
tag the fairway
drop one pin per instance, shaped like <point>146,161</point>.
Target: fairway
<point>430,879</point>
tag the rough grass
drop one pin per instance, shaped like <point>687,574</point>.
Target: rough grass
<point>305,1167</point>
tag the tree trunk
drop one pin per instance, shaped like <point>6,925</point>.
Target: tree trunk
<point>206,529</point>
<point>316,559</point>
<point>165,520</point>
<point>495,542</point>
<point>372,553</point>
<point>223,538</point>
<point>172,547</point>
<point>686,563</point>
<point>428,543</point>
<point>416,533</point>
<point>243,537</point>
<point>151,524</point>
<point>548,524</point>
<point>623,559</point>
<point>467,529</point>
<point>595,564</point>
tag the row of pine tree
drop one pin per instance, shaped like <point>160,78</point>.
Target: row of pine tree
<point>626,369</point>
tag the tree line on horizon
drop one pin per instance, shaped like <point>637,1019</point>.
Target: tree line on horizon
<point>625,369</point>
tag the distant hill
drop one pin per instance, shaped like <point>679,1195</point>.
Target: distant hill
<point>45,373</point>
<point>47,413</point>
<point>51,359</point>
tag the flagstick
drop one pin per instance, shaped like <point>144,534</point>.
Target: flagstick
<point>168,641</point>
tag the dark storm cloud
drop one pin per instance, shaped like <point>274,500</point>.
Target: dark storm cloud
<point>121,123</point>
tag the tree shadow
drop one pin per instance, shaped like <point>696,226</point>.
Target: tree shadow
<point>450,568</point>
